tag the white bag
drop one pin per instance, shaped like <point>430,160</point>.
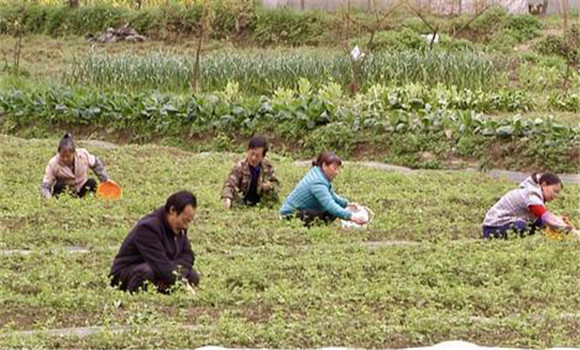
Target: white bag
<point>358,211</point>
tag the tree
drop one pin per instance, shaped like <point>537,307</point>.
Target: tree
<point>358,56</point>
<point>205,22</point>
<point>565,13</point>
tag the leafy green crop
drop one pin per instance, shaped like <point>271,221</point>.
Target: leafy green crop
<point>273,283</point>
<point>406,121</point>
<point>263,73</point>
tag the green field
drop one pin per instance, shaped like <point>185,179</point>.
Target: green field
<point>516,110</point>
<point>419,275</point>
<point>498,91</point>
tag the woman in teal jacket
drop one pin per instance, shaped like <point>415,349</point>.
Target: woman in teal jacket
<point>314,198</point>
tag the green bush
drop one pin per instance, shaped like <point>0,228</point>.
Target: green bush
<point>488,22</point>
<point>502,31</point>
<point>447,43</point>
<point>95,19</point>
<point>62,20</point>
<point>314,120</point>
<point>256,24</point>
<point>403,39</point>
<point>224,22</point>
<point>288,26</point>
<point>31,20</point>
<point>523,27</point>
<point>10,16</point>
<point>566,46</point>
<point>337,135</point>
<point>503,41</point>
<point>264,26</point>
<point>148,22</point>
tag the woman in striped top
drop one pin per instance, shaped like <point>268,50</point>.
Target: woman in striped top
<point>314,198</point>
<point>523,210</point>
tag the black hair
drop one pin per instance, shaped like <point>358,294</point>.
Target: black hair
<point>547,178</point>
<point>67,143</point>
<point>258,142</point>
<point>327,158</point>
<point>180,200</point>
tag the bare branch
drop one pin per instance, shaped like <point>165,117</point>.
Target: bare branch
<point>420,15</point>
<point>476,16</point>
<point>379,20</point>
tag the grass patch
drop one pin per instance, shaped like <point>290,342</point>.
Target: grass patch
<point>270,283</point>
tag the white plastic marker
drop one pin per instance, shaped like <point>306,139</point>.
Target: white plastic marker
<point>356,54</point>
<point>430,37</point>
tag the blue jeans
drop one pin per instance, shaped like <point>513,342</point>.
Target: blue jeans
<point>519,226</point>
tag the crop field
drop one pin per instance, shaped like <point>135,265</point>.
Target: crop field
<point>420,274</point>
<point>412,107</point>
<point>494,91</point>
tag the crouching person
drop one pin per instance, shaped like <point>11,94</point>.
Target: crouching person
<point>314,198</point>
<point>523,210</point>
<point>253,180</point>
<point>157,250</point>
<point>68,171</point>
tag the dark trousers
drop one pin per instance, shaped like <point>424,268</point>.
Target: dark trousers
<point>267,199</point>
<point>310,216</point>
<point>251,200</point>
<point>136,277</point>
<point>518,227</point>
<point>89,186</point>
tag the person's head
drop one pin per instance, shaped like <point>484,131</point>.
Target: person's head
<point>257,149</point>
<point>551,185</point>
<point>330,164</point>
<point>180,210</point>
<point>66,149</point>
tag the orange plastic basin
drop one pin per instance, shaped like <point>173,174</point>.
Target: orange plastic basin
<point>109,190</point>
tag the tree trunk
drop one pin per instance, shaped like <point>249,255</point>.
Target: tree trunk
<point>73,3</point>
<point>203,27</point>
<point>545,7</point>
<point>197,59</point>
<point>565,12</point>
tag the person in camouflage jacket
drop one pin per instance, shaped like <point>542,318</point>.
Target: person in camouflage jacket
<point>252,180</point>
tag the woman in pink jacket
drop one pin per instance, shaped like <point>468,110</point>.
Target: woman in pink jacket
<point>68,170</point>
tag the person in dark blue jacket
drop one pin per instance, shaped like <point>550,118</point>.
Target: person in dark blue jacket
<point>157,250</point>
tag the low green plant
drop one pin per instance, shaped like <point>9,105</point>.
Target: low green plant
<point>565,45</point>
<point>394,40</point>
<point>564,101</point>
<point>419,274</point>
<point>523,27</point>
<point>263,73</point>
<point>311,118</point>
